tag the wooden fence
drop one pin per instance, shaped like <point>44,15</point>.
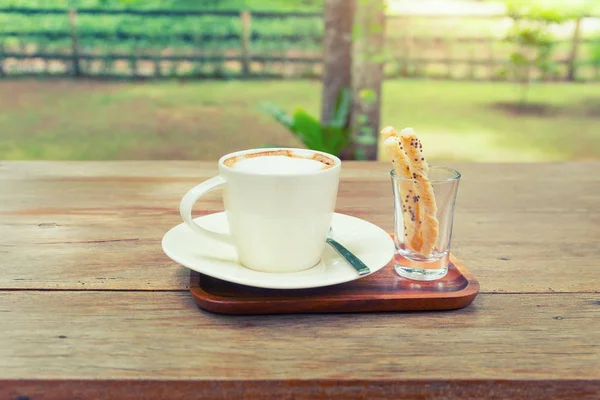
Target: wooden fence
<point>251,48</point>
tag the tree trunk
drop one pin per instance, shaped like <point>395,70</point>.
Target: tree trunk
<point>337,59</point>
<point>75,66</point>
<point>572,72</point>
<point>367,75</point>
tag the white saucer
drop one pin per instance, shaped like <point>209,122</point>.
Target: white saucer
<point>367,241</point>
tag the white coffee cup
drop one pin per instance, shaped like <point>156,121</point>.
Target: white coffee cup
<point>278,220</point>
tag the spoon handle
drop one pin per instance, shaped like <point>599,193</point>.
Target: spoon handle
<point>358,265</point>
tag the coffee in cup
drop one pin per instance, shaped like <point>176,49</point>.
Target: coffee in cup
<point>279,204</point>
<point>280,162</point>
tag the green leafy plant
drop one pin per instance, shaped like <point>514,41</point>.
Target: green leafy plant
<point>534,44</point>
<point>330,138</point>
<point>366,136</point>
<point>595,53</point>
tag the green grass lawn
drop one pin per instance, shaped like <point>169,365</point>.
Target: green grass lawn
<point>85,120</point>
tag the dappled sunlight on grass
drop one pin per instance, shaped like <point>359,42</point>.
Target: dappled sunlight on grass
<point>202,120</point>
<point>467,120</point>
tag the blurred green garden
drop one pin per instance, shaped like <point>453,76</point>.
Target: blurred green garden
<point>538,100</point>
<point>74,120</point>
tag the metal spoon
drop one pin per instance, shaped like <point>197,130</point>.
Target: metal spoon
<point>354,261</point>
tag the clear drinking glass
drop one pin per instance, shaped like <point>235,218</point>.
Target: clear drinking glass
<point>413,264</point>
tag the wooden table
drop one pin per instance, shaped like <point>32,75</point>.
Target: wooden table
<point>90,306</point>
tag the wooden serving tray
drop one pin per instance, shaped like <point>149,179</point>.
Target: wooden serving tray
<point>381,291</point>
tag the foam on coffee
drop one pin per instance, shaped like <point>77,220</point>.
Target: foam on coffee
<point>280,162</point>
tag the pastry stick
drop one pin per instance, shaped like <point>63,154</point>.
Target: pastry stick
<point>414,151</point>
<point>410,208</point>
<point>388,132</point>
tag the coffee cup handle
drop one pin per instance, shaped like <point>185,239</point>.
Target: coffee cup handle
<point>188,201</point>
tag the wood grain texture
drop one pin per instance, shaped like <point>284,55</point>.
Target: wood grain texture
<point>91,308</point>
<point>299,389</point>
<point>163,335</point>
<point>98,225</point>
<point>381,291</point>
